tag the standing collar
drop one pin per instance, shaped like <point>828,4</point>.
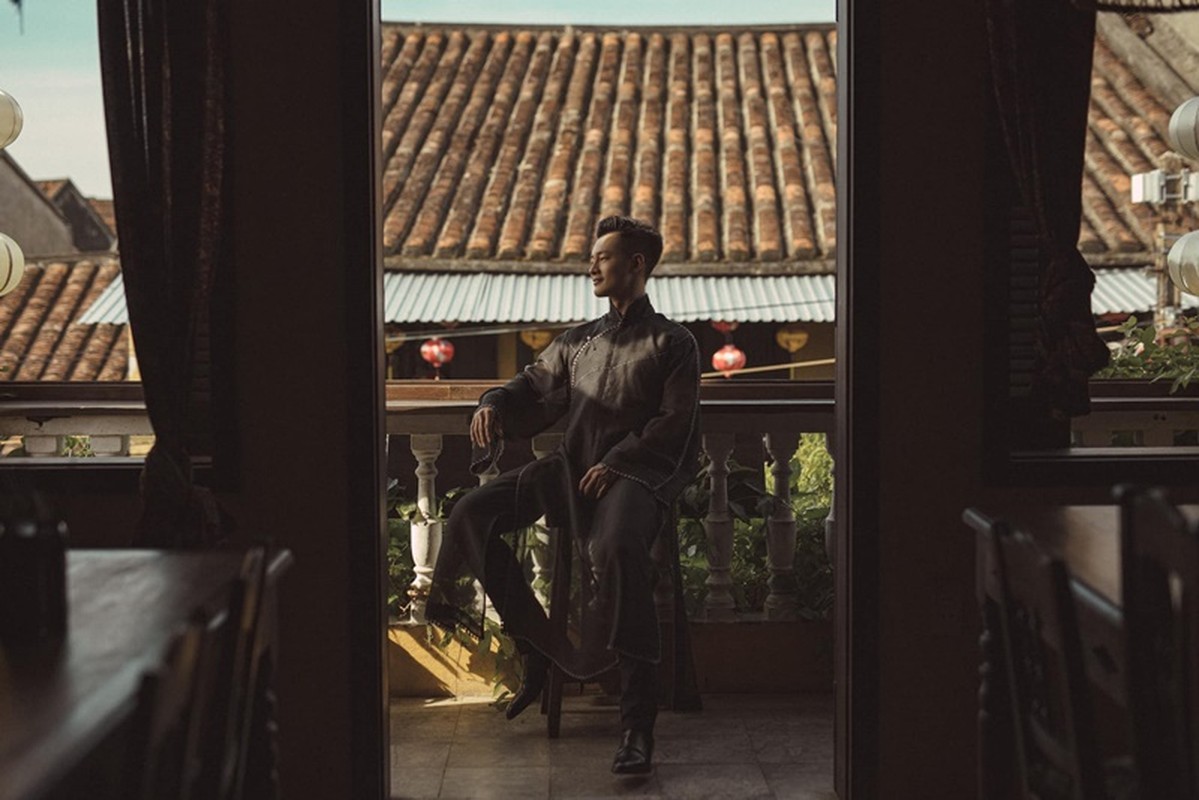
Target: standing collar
<point>641,307</point>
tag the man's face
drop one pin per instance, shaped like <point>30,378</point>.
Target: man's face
<point>612,272</point>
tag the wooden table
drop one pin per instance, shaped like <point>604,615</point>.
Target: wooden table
<point>62,700</point>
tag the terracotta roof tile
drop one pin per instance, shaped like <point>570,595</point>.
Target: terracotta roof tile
<point>39,339</point>
<point>106,211</point>
<point>721,141</point>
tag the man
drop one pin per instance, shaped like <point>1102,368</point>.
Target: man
<point>627,385</point>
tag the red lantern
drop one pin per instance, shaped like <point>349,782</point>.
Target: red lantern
<point>438,352</point>
<point>725,327</point>
<point>728,359</point>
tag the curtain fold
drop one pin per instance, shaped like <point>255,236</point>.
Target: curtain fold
<point>1041,54</point>
<point>163,76</point>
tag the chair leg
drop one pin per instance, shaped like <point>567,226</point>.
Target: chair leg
<point>553,717</point>
<point>559,613</point>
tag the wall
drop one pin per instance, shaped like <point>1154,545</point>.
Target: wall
<point>913,234</point>
<point>28,218</point>
<point>310,441</point>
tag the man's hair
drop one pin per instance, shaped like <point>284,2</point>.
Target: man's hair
<point>635,237</point>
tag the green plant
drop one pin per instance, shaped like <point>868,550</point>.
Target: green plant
<point>1144,354</point>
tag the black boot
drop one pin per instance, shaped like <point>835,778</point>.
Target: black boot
<point>636,753</point>
<point>537,666</point>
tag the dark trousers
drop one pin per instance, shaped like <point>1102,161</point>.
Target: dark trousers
<point>620,530</point>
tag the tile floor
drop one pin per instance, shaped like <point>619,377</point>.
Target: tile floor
<point>739,746</point>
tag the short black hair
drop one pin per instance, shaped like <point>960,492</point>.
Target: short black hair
<point>636,236</point>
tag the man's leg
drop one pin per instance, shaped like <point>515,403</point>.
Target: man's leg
<point>474,537</point>
<point>626,521</point>
<point>474,534</point>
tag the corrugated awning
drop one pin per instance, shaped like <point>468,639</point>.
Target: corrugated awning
<point>109,307</point>
<point>490,297</point>
<point>432,297</point>
<point>1128,291</point>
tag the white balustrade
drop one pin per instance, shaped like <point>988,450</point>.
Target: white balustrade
<point>426,529</point>
<point>783,601</point>
<point>718,525</point>
<point>44,446</point>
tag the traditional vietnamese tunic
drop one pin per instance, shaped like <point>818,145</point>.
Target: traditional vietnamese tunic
<point>627,388</point>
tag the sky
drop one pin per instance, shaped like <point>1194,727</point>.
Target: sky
<point>52,68</point>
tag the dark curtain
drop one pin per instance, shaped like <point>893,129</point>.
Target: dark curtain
<point>1041,70</point>
<point>163,71</point>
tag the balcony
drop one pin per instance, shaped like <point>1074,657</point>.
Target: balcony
<point>765,701</point>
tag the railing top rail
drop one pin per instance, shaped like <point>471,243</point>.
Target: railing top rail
<point>410,393</point>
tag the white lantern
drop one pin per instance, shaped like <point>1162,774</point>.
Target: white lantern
<point>1183,261</point>
<point>1183,132</point>
<point>11,120</point>
<point>12,264</point>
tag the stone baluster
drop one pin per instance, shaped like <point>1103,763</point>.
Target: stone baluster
<point>718,525</point>
<point>44,445</point>
<point>109,444</point>
<point>783,601</point>
<point>542,548</point>
<point>830,522</point>
<point>426,534</point>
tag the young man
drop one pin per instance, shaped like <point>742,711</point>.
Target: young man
<point>627,385</point>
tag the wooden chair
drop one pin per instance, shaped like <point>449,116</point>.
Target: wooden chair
<point>225,726</point>
<point>163,745</point>
<point>1054,736</point>
<point>681,690</point>
<point>1160,593</point>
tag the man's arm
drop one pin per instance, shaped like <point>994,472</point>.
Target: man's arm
<point>527,404</point>
<point>667,443</point>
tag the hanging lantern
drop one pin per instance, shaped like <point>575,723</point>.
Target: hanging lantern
<point>438,352</point>
<point>728,360</point>
<point>536,340</point>
<point>12,264</point>
<point>725,327</point>
<point>791,338</point>
<point>1183,131</point>
<point>1183,263</point>
<point>11,119</point>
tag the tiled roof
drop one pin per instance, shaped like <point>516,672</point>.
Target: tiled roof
<point>509,144</point>
<point>39,337</point>
<point>106,211</point>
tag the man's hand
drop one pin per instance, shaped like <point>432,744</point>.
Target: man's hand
<point>485,427</point>
<point>597,481</point>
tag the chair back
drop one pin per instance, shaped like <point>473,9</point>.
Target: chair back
<point>162,742</point>
<point>1056,749</point>
<point>1160,589</point>
<point>230,693</point>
